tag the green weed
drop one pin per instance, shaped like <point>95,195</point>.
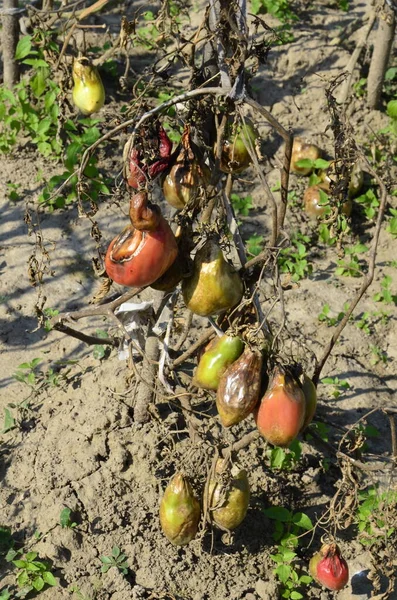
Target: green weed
<point>33,575</point>
<point>288,527</point>
<point>117,559</point>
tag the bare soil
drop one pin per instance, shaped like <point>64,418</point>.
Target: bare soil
<point>77,444</point>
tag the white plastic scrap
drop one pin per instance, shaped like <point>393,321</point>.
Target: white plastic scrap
<point>133,317</point>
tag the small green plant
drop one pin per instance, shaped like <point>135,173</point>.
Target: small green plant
<point>364,322</point>
<point>378,355</point>
<point>288,528</point>
<point>392,222</point>
<point>242,206</point>
<point>339,385</point>
<point>369,203</point>
<point>66,519</point>
<point>32,575</point>
<point>101,351</point>
<point>117,559</point>
<point>376,516</point>
<point>385,295</point>
<point>254,244</point>
<point>351,266</point>
<point>5,594</point>
<point>360,87</point>
<point>285,459</point>
<point>294,258</point>
<point>281,9</point>
<point>391,110</point>
<point>27,373</point>
<point>48,314</point>
<point>12,191</point>
<point>325,317</point>
<point>9,421</point>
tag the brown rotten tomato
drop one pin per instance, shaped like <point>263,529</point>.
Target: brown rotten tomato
<point>148,157</point>
<point>281,413</point>
<point>144,250</point>
<point>239,388</point>
<point>317,202</point>
<point>182,183</point>
<point>303,151</point>
<point>235,155</point>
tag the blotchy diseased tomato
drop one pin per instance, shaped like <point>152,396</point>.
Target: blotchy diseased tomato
<point>137,258</point>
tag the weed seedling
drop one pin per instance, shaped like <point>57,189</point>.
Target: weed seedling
<point>324,316</point>
<point>376,516</point>
<point>339,385</point>
<point>32,575</point>
<point>285,459</point>
<point>293,259</point>
<point>117,559</point>
<point>288,527</point>
<point>385,295</point>
<point>351,267</point>
<point>369,203</point>
<point>242,206</point>
<point>66,519</point>
<point>254,244</point>
<point>392,223</point>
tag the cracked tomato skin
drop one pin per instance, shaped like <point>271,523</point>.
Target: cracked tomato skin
<point>137,258</point>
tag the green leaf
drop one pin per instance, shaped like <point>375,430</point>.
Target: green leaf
<point>288,555</point>
<point>320,163</point>
<point>31,555</point>
<point>38,583</point>
<point>23,47</point>
<point>49,579</point>
<point>305,163</point>
<point>106,560</point>
<point>65,517</point>
<point>392,109</point>
<point>302,521</point>
<point>35,62</point>
<point>279,513</point>
<point>21,564</point>
<point>283,572</point>
<point>277,458</point>
<point>9,421</point>
<point>116,551</point>
<point>296,595</point>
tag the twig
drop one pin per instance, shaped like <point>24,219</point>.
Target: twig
<point>245,441</point>
<point>88,339</point>
<point>193,349</point>
<point>101,310</point>
<point>288,138</point>
<point>345,87</point>
<point>367,279</point>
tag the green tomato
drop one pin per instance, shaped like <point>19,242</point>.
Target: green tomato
<point>214,362</point>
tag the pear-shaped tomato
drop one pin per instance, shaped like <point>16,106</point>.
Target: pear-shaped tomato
<point>229,496</point>
<point>281,413</point>
<point>214,285</point>
<point>310,393</point>
<point>239,388</point>
<point>235,156</point>
<point>88,91</point>
<point>329,568</point>
<point>222,352</point>
<point>179,511</point>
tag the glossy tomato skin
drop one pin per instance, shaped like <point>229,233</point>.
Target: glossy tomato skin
<point>137,258</point>
<point>281,413</point>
